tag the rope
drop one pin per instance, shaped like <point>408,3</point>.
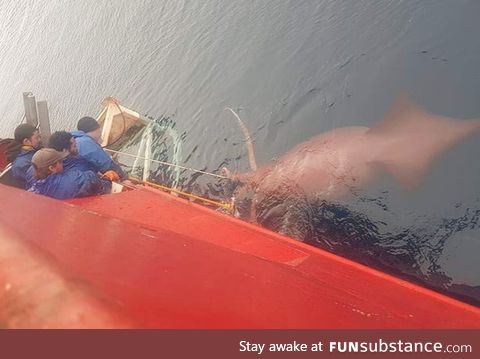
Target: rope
<point>190,195</point>
<point>166,163</point>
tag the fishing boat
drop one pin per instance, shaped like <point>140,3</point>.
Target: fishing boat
<point>149,256</point>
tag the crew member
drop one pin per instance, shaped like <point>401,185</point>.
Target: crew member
<point>53,181</point>
<point>87,138</point>
<point>27,141</point>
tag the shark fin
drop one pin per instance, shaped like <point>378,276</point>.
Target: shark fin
<point>412,139</point>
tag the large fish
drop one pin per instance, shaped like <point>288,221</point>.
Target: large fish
<point>333,164</point>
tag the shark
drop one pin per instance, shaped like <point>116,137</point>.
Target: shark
<point>333,165</point>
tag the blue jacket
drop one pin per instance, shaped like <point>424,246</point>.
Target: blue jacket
<point>78,163</point>
<point>22,169</point>
<point>91,151</point>
<point>71,184</point>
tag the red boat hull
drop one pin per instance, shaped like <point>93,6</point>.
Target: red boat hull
<point>148,259</point>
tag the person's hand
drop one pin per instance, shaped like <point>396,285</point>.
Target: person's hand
<point>128,183</point>
<point>111,175</point>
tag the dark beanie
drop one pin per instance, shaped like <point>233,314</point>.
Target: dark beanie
<point>87,124</point>
<point>23,132</point>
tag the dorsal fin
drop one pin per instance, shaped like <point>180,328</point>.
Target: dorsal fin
<point>412,139</point>
<point>403,116</point>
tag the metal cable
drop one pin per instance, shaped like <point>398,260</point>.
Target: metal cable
<point>166,163</point>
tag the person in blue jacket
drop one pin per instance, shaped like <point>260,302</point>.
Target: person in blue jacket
<point>87,138</point>
<point>27,141</point>
<point>64,141</point>
<point>53,181</point>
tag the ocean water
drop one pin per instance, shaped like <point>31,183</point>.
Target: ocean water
<point>292,69</point>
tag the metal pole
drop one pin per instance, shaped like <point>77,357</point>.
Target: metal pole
<point>141,151</point>
<point>148,154</point>
<point>44,120</point>
<point>30,108</point>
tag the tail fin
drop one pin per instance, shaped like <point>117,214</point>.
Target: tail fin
<point>248,140</point>
<point>413,138</point>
